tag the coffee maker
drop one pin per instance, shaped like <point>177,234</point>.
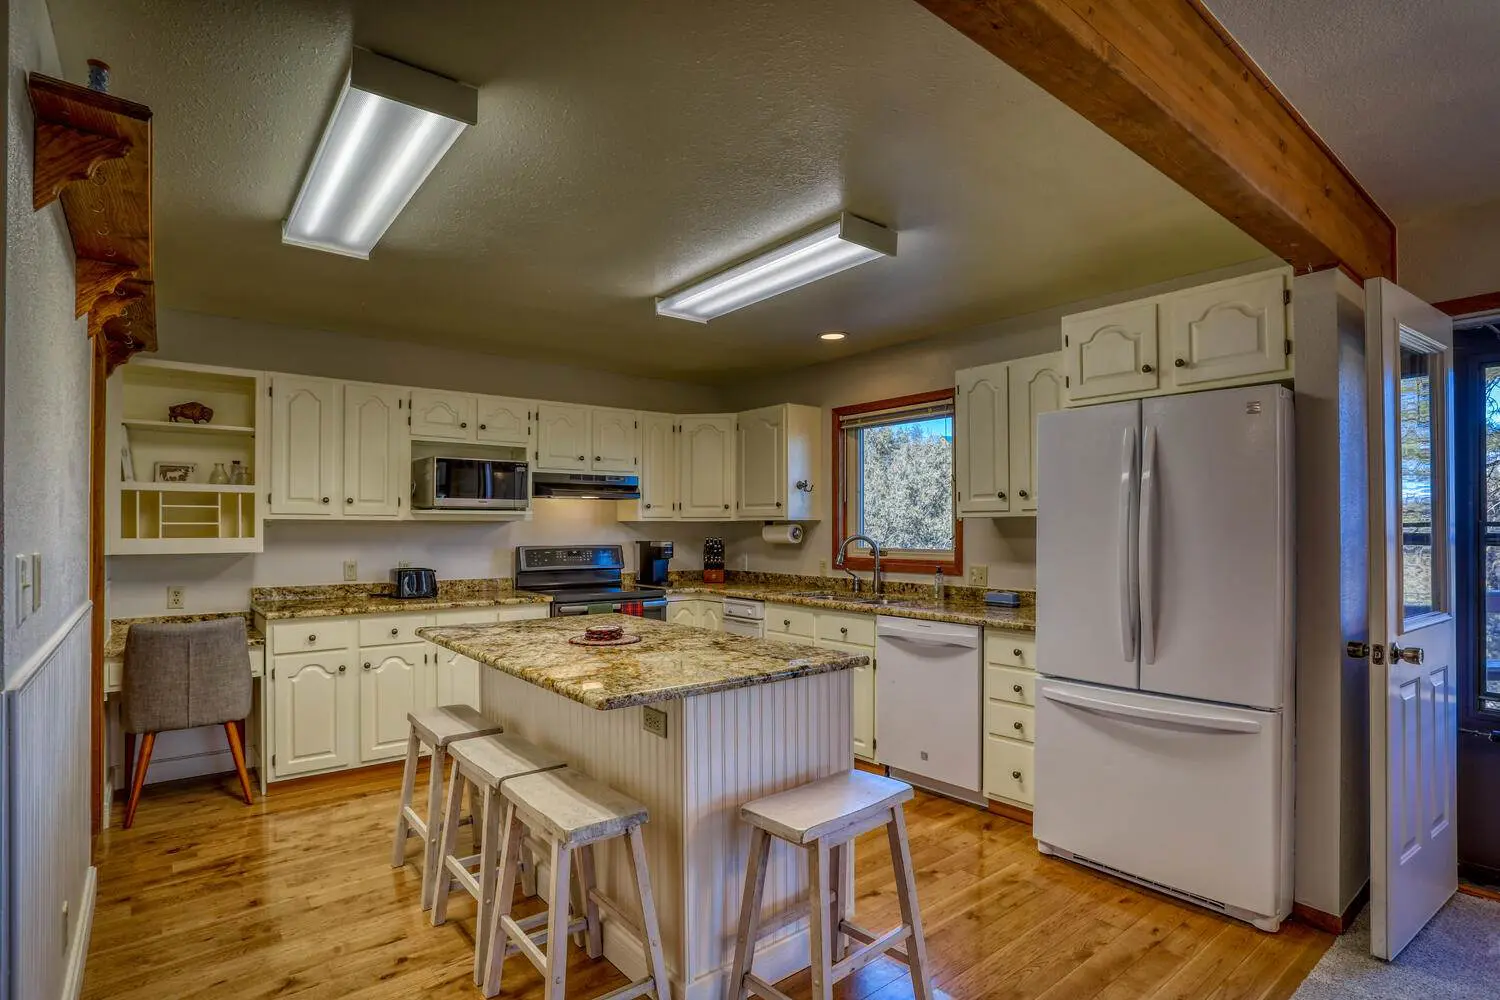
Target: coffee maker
<point>651,559</point>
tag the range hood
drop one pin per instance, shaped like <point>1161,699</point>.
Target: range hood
<point>585,486</point>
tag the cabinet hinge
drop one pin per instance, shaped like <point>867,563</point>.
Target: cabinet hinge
<point>273,673</point>
<point>268,498</point>
<point>1289,347</point>
<point>408,421</point>
<point>398,501</point>
<point>1286,296</point>
<point>273,760</point>
<point>270,390</point>
<point>874,743</point>
<point>636,424</point>
<point>1067,381</point>
<point>1065,340</point>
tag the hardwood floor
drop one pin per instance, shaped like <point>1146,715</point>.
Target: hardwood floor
<point>295,897</point>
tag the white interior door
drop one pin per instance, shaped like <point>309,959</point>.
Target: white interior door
<point>1413,697</point>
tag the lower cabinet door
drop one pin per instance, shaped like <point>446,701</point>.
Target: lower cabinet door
<point>390,686</point>
<point>314,702</point>
<point>683,613</point>
<point>1008,769</point>
<point>457,679</point>
<point>711,616</point>
<point>862,723</point>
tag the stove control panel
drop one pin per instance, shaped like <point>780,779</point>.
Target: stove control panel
<point>536,557</point>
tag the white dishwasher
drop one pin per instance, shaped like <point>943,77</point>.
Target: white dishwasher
<point>928,725</point>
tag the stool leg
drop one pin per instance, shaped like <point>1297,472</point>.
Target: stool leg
<point>911,914</point>
<point>557,923</point>
<point>489,844</point>
<point>142,764</point>
<point>505,894</point>
<point>755,884</point>
<point>438,874</point>
<point>433,859</point>
<point>818,864</point>
<point>408,785</point>
<point>649,924</point>
<point>594,935</point>
<point>836,855</point>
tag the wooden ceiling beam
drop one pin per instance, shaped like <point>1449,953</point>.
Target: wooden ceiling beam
<point>1167,81</point>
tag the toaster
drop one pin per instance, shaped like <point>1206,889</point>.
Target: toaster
<point>414,583</point>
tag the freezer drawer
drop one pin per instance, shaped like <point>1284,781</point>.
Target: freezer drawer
<point>1189,795</point>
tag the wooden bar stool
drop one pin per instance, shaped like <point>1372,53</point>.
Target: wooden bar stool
<point>571,812</point>
<point>485,765</point>
<point>823,817</point>
<point>435,728</point>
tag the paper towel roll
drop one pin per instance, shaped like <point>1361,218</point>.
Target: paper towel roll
<point>782,534</point>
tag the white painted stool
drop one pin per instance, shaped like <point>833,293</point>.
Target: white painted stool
<point>484,765</point>
<point>571,812</point>
<point>823,817</point>
<point>435,728</point>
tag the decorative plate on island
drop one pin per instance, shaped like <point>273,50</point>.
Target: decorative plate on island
<point>604,635</point>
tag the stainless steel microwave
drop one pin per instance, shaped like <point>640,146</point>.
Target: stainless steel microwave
<point>439,483</point>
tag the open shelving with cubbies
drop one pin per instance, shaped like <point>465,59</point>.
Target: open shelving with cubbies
<point>190,514</point>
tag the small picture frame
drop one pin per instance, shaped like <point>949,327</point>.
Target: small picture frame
<point>175,472</point>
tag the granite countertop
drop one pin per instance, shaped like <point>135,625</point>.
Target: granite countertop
<point>670,661</point>
<point>338,600</point>
<point>907,603</point>
<point>119,628</point>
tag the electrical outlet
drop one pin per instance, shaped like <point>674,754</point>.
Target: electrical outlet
<point>403,564</point>
<point>174,598</point>
<point>351,570</point>
<point>654,721</point>
<point>979,575</point>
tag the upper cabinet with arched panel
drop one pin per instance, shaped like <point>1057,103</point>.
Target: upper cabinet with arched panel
<point>1111,352</point>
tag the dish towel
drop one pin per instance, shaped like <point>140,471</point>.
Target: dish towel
<point>636,608</point>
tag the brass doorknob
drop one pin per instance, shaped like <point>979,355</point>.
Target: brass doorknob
<point>1411,654</point>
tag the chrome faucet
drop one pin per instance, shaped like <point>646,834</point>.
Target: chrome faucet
<point>839,561</point>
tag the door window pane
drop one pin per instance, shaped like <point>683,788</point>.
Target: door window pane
<point>1489,679</point>
<point>1419,595</point>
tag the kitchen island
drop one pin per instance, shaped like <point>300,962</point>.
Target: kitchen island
<point>693,724</point>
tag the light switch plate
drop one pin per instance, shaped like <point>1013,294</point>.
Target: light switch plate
<point>979,575</point>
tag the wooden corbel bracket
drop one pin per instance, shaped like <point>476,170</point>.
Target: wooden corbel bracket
<point>126,319</point>
<point>67,155</point>
<point>95,279</point>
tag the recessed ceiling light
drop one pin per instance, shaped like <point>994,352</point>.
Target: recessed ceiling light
<point>831,336</point>
<point>390,127</point>
<point>833,247</point>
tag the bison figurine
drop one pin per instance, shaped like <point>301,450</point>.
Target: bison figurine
<point>196,412</point>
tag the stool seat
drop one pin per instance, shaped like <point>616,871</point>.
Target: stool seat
<point>812,811</point>
<point>573,808</point>
<point>490,760</point>
<point>437,727</point>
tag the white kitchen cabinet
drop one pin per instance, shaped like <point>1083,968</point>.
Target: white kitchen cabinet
<point>1034,387</point>
<point>790,623</point>
<point>392,681</point>
<point>704,614</point>
<point>562,436</point>
<point>1229,330</point>
<point>612,437</point>
<point>779,457</point>
<point>1009,716</point>
<point>438,415</point>
<point>864,691</point>
<point>1112,351</point>
<point>706,467</point>
<point>711,615</point>
<point>658,441</point>
<point>501,420</point>
<point>316,712</point>
<point>982,440</point>
<point>374,480</point>
<point>306,465</point>
<point>682,613</point>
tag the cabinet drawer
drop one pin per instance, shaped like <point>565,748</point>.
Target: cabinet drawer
<point>1008,770</point>
<point>311,634</point>
<point>390,630</point>
<point>521,612</point>
<point>1016,722</point>
<point>856,629</point>
<point>464,616</point>
<point>1010,684</point>
<point>782,619</point>
<point>1009,649</point>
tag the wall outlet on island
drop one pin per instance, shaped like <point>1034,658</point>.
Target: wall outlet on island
<point>654,721</point>
<point>174,598</point>
<point>979,575</point>
<point>351,570</point>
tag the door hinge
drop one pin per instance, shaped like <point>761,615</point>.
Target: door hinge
<point>1286,296</point>
<point>1288,346</point>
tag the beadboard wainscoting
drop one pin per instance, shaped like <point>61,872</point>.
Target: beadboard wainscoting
<point>720,750</point>
<point>50,901</point>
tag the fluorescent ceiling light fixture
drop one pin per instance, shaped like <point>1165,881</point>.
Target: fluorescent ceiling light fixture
<point>829,249</point>
<point>831,335</point>
<point>390,127</point>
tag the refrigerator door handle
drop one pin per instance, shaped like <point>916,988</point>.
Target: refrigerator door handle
<point>1129,609</point>
<point>1146,555</point>
<point>1206,722</point>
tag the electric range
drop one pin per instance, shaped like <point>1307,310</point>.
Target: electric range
<point>584,579</point>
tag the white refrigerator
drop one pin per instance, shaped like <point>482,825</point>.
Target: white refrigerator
<point>1164,637</point>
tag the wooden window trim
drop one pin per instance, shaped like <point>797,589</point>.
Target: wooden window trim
<point>950,567</point>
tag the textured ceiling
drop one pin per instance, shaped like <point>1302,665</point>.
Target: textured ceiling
<point>1403,91</point>
<point>624,148</point>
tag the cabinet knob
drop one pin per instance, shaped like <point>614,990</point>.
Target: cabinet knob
<point>325,499</point>
<point>1016,688</point>
<point>1000,495</point>
<point>1180,363</point>
<point>396,631</point>
<point>463,423</point>
<point>367,667</point>
<point>312,638</point>
<point>648,506</point>
<point>596,458</point>
<point>582,458</point>
<point>1015,652</point>
<point>1147,369</point>
<point>1016,775</point>
<point>1024,494</point>
<point>726,506</point>
<point>1018,726</point>
<point>843,630</point>
<point>342,668</point>
<point>786,622</point>
<point>483,427</point>
<point>778,503</point>
<point>348,499</point>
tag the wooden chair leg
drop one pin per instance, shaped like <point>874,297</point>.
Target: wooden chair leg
<point>432,856</point>
<point>818,863</point>
<point>237,750</point>
<point>489,848</point>
<point>441,885</point>
<point>403,830</point>
<point>755,884</point>
<point>650,925</point>
<point>911,913</point>
<point>593,942</point>
<point>148,742</point>
<point>505,894</point>
<point>557,923</point>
